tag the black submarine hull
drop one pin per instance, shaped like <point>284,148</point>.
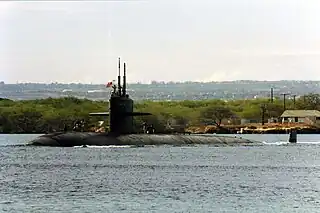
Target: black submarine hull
<point>70,139</point>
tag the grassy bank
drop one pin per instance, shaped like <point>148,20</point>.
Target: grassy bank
<point>49,115</point>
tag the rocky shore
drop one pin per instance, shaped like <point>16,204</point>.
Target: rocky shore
<point>273,128</point>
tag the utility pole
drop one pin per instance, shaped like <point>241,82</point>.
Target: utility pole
<point>284,100</point>
<point>294,101</point>
<point>263,110</point>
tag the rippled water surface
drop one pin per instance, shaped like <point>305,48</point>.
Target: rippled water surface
<point>268,178</point>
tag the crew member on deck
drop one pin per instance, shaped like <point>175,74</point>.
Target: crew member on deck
<point>150,129</point>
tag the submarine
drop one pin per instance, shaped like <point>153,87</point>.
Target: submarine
<point>121,128</point>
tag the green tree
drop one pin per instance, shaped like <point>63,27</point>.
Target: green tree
<point>215,114</point>
<point>274,110</point>
<point>309,102</point>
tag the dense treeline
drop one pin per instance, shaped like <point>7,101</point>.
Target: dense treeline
<point>46,115</point>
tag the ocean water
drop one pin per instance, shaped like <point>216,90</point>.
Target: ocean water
<point>275,177</point>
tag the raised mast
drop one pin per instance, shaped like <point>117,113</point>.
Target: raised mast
<point>119,79</point>
<point>124,80</point>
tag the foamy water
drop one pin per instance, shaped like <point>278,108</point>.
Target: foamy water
<point>111,146</point>
<point>286,143</point>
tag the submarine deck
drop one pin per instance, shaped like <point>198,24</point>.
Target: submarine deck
<point>69,139</point>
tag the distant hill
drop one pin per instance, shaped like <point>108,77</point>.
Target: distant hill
<point>163,91</point>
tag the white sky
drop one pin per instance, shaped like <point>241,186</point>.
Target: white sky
<point>176,40</point>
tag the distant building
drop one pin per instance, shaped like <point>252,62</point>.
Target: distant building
<point>301,116</point>
<point>248,121</point>
<point>273,120</point>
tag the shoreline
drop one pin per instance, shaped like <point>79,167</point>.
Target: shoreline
<point>247,132</point>
<point>269,128</point>
<point>273,128</point>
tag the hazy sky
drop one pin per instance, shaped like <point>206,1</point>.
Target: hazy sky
<point>166,40</point>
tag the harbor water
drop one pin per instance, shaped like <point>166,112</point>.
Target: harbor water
<point>275,177</point>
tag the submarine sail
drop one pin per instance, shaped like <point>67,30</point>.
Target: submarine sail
<point>120,108</point>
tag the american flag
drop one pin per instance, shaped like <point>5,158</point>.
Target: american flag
<point>109,84</point>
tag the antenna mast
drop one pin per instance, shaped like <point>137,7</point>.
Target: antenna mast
<point>119,80</point>
<point>124,80</point>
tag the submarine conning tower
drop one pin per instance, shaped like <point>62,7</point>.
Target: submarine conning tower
<point>121,107</point>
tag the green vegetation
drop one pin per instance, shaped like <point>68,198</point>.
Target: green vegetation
<point>40,116</point>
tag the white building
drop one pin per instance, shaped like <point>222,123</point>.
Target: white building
<point>301,116</point>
